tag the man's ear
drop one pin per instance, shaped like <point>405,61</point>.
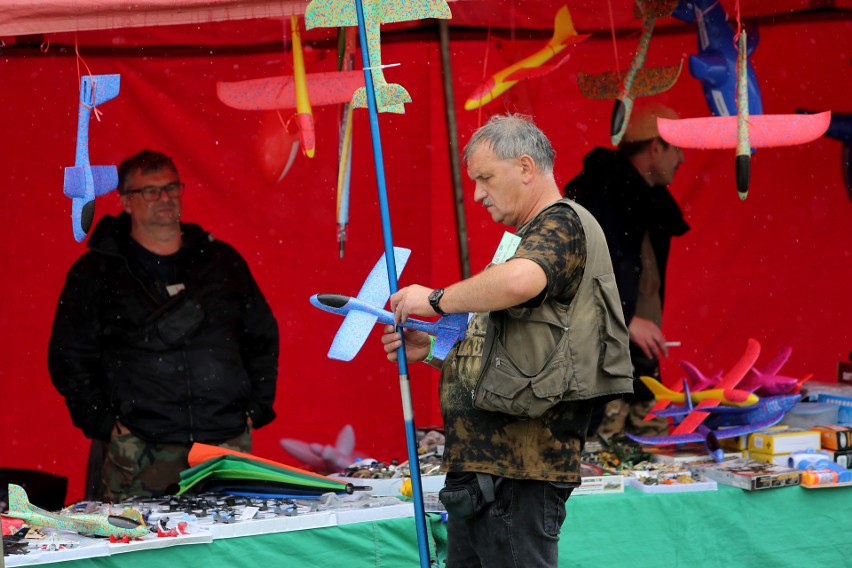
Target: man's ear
<point>528,167</point>
<point>125,198</point>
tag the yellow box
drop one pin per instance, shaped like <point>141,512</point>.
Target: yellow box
<point>784,441</point>
<point>737,443</point>
<point>776,459</point>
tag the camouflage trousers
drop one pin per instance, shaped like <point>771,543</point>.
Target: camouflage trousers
<point>134,467</point>
<point>622,416</point>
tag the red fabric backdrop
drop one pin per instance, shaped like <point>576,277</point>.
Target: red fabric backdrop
<point>775,267</point>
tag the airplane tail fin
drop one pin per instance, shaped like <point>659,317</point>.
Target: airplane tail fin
<point>104,178</point>
<point>18,500</point>
<point>798,386</point>
<point>98,89</point>
<point>390,97</point>
<point>564,33</point>
<point>451,328</point>
<point>660,391</point>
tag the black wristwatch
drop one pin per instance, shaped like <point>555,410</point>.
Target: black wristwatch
<point>435,301</point>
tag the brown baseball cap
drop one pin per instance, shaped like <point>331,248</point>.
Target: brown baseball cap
<point>643,121</point>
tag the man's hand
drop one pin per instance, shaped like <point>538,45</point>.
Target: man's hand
<point>416,344</point>
<point>411,300</point>
<point>648,337</point>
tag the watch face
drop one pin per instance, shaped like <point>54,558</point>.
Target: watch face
<point>435,298</point>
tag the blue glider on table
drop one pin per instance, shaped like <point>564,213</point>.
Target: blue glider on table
<point>83,181</point>
<point>365,311</point>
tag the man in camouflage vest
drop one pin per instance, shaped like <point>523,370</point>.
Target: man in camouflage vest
<point>546,313</point>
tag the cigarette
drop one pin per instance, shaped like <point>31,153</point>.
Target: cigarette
<point>672,343</point>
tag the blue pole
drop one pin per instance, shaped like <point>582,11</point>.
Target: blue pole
<point>404,385</point>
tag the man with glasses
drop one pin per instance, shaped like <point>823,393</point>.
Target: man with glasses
<point>627,191</point>
<point>161,337</point>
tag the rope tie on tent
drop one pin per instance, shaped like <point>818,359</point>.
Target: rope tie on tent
<point>484,71</point>
<point>45,45</point>
<point>614,42</point>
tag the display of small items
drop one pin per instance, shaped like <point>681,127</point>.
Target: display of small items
<point>214,507</point>
<point>651,473</point>
<point>614,454</point>
<point>430,449</point>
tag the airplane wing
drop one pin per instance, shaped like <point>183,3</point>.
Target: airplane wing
<point>733,377</point>
<point>749,428</point>
<point>357,325</point>
<point>774,365</point>
<point>764,130</point>
<point>271,93</point>
<point>666,440</point>
<point>696,417</point>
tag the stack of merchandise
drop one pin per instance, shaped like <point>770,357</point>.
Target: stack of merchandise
<point>219,470</point>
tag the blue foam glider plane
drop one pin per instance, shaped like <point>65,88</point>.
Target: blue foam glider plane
<point>365,311</point>
<point>84,182</point>
<point>715,65</point>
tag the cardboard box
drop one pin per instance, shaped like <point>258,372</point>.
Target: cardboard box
<point>844,414</point>
<point>783,441</point>
<point>687,453</point>
<point>600,484</point>
<point>844,372</point>
<point>842,457</point>
<point>834,436</point>
<point>776,459</point>
<point>749,474</point>
<point>735,444</point>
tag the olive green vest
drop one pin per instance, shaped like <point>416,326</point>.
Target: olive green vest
<point>534,358</point>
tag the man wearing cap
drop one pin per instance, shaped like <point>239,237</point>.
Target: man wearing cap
<point>626,189</point>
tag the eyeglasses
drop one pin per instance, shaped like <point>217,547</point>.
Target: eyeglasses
<point>154,192</point>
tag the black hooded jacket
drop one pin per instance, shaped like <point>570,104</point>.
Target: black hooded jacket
<point>626,208</point>
<point>187,368</point>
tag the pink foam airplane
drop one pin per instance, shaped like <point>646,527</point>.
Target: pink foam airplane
<point>725,392</point>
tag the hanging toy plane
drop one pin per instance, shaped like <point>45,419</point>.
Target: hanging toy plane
<point>390,97</point>
<point>638,82</point>
<point>363,312</point>
<point>715,65</point>
<point>83,181</point>
<point>743,131</point>
<point>304,114</point>
<point>564,35</point>
<point>128,524</point>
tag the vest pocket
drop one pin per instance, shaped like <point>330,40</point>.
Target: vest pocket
<point>615,360</point>
<point>503,387</point>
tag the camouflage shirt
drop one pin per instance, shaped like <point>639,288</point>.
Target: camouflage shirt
<point>546,448</point>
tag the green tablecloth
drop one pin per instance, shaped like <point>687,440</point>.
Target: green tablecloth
<point>781,527</point>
